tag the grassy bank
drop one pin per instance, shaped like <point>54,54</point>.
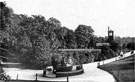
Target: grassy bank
<point>123,70</point>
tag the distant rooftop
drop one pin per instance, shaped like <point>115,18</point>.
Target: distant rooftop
<point>72,50</point>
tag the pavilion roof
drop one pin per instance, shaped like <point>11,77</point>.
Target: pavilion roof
<point>73,50</point>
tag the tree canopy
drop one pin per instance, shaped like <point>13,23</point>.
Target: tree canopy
<point>131,45</point>
<point>36,39</point>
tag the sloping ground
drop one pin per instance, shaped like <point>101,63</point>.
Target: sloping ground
<point>123,70</point>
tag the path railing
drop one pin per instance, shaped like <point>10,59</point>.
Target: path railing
<point>114,59</point>
<point>36,79</point>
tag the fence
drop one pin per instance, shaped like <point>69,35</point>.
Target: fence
<point>36,79</point>
<point>113,59</point>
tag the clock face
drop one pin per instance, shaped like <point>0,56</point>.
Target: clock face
<point>110,34</point>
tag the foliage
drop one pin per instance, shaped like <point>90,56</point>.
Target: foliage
<point>6,37</point>
<point>40,54</point>
<point>66,38</point>
<point>106,53</point>
<point>114,46</point>
<point>34,39</point>
<point>83,34</point>
<point>131,45</point>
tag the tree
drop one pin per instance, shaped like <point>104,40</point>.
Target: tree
<point>5,15</point>
<point>124,46</point>
<point>66,37</point>
<point>114,46</point>
<point>70,39</point>
<point>40,54</point>
<point>41,35</point>
<point>54,22</point>
<point>106,53</point>
<point>131,45</point>
<point>93,41</point>
<point>5,24</point>
<point>83,34</point>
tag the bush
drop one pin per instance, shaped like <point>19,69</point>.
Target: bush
<point>131,45</point>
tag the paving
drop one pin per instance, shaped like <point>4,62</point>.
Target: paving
<point>91,73</point>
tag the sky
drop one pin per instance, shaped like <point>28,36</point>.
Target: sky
<point>119,15</point>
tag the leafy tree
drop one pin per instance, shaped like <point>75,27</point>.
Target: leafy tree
<point>70,39</point>
<point>54,21</point>
<point>131,45</point>
<point>40,35</point>
<point>5,15</point>
<point>61,33</point>
<point>83,34</point>
<point>5,32</point>
<point>106,53</point>
<point>39,55</point>
<point>101,39</point>
<point>114,46</point>
<point>124,46</point>
<point>93,41</point>
<point>36,39</point>
<point>66,38</point>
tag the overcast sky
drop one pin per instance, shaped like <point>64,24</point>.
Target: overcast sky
<point>119,15</point>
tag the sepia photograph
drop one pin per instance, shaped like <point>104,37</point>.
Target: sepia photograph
<point>67,40</point>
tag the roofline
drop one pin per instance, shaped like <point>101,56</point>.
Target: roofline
<point>79,50</point>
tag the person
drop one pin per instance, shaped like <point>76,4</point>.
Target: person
<point>121,53</point>
<point>63,61</point>
<point>54,64</point>
<point>70,61</point>
<point>132,52</point>
<point>0,62</point>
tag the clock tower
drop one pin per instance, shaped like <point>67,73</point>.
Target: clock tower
<point>110,35</point>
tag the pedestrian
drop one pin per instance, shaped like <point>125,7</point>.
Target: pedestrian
<point>63,61</point>
<point>132,52</point>
<point>54,64</point>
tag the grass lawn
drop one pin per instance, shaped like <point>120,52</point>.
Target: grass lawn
<point>123,70</point>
